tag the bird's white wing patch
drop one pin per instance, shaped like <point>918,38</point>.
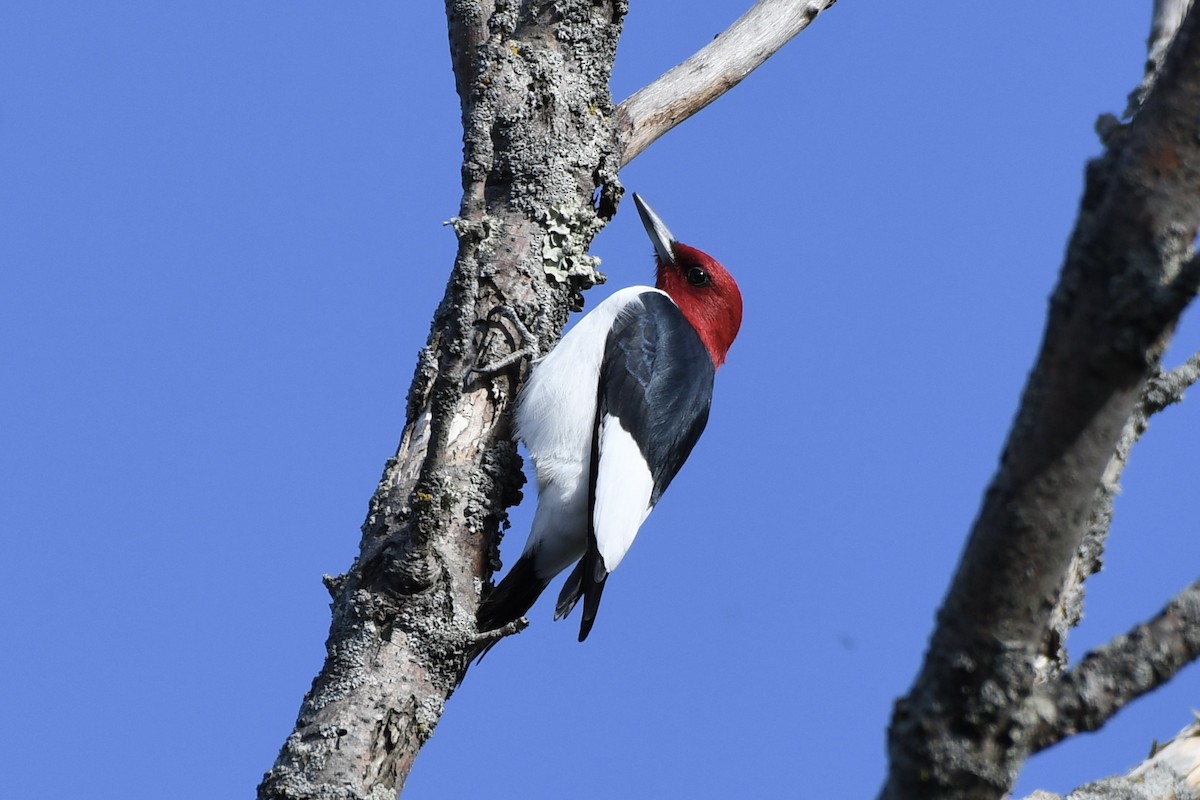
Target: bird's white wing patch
<point>623,488</point>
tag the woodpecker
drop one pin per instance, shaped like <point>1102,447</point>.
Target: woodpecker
<point>609,417</point>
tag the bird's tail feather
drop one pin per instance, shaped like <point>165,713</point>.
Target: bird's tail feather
<point>593,587</point>
<point>514,595</point>
<point>572,590</point>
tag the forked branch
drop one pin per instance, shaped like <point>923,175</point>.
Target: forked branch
<point>1108,678</point>
<point>1128,274</point>
<point>1163,389</point>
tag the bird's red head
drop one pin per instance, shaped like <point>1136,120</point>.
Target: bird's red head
<point>706,294</point>
<point>703,289</point>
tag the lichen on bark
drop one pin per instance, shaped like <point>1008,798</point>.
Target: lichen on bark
<point>539,181</point>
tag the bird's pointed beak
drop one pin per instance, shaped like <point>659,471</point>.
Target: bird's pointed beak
<point>664,242</point>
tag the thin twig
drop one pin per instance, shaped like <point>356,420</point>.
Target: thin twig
<point>1167,388</point>
<point>713,70</point>
<point>1110,677</point>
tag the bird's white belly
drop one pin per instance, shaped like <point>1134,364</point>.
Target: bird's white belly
<point>556,419</point>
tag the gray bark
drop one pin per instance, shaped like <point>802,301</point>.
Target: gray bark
<point>542,148</point>
<point>543,143</point>
<point>1164,22</point>
<point>1171,772</point>
<point>538,143</point>
<point>1162,390</point>
<point>964,729</point>
<point>1085,697</point>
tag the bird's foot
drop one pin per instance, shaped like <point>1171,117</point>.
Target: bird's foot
<point>486,640</point>
<point>528,342</point>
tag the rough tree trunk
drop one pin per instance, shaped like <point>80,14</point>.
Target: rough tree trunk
<point>973,717</point>
<point>539,143</point>
<point>543,143</point>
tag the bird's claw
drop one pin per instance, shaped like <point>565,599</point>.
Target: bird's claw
<point>486,640</point>
<point>528,348</point>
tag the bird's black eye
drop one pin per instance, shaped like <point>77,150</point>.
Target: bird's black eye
<point>698,276</point>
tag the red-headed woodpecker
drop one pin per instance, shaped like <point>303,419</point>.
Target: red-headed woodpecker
<point>609,417</point>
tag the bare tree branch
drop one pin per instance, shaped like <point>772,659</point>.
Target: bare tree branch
<point>715,69</point>
<point>1088,558</point>
<point>1181,756</point>
<point>467,26</point>
<point>1167,388</point>
<point>1159,783</point>
<point>1127,275</point>
<point>1088,695</point>
<point>1171,772</point>
<point>542,138</point>
<point>539,142</point>
<point>541,156</point>
<point>1163,389</point>
<point>1168,16</point>
<point>1165,21</point>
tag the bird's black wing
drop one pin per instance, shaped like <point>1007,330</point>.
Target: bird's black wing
<point>655,392</point>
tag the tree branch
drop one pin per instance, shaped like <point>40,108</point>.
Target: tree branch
<point>1180,756</point>
<point>538,142</point>
<point>1108,678</point>
<point>1088,558</point>
<point>466,23</point>
<point>1162,390</point>
<point>1167,388</point>
<point>1164,22</point>
<point>1171,772</point>
<point>1127,273</point>
<point>1159,783</point>
<point>715,69</point>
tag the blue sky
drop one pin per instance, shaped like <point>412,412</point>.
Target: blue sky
<point>221,244</point>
